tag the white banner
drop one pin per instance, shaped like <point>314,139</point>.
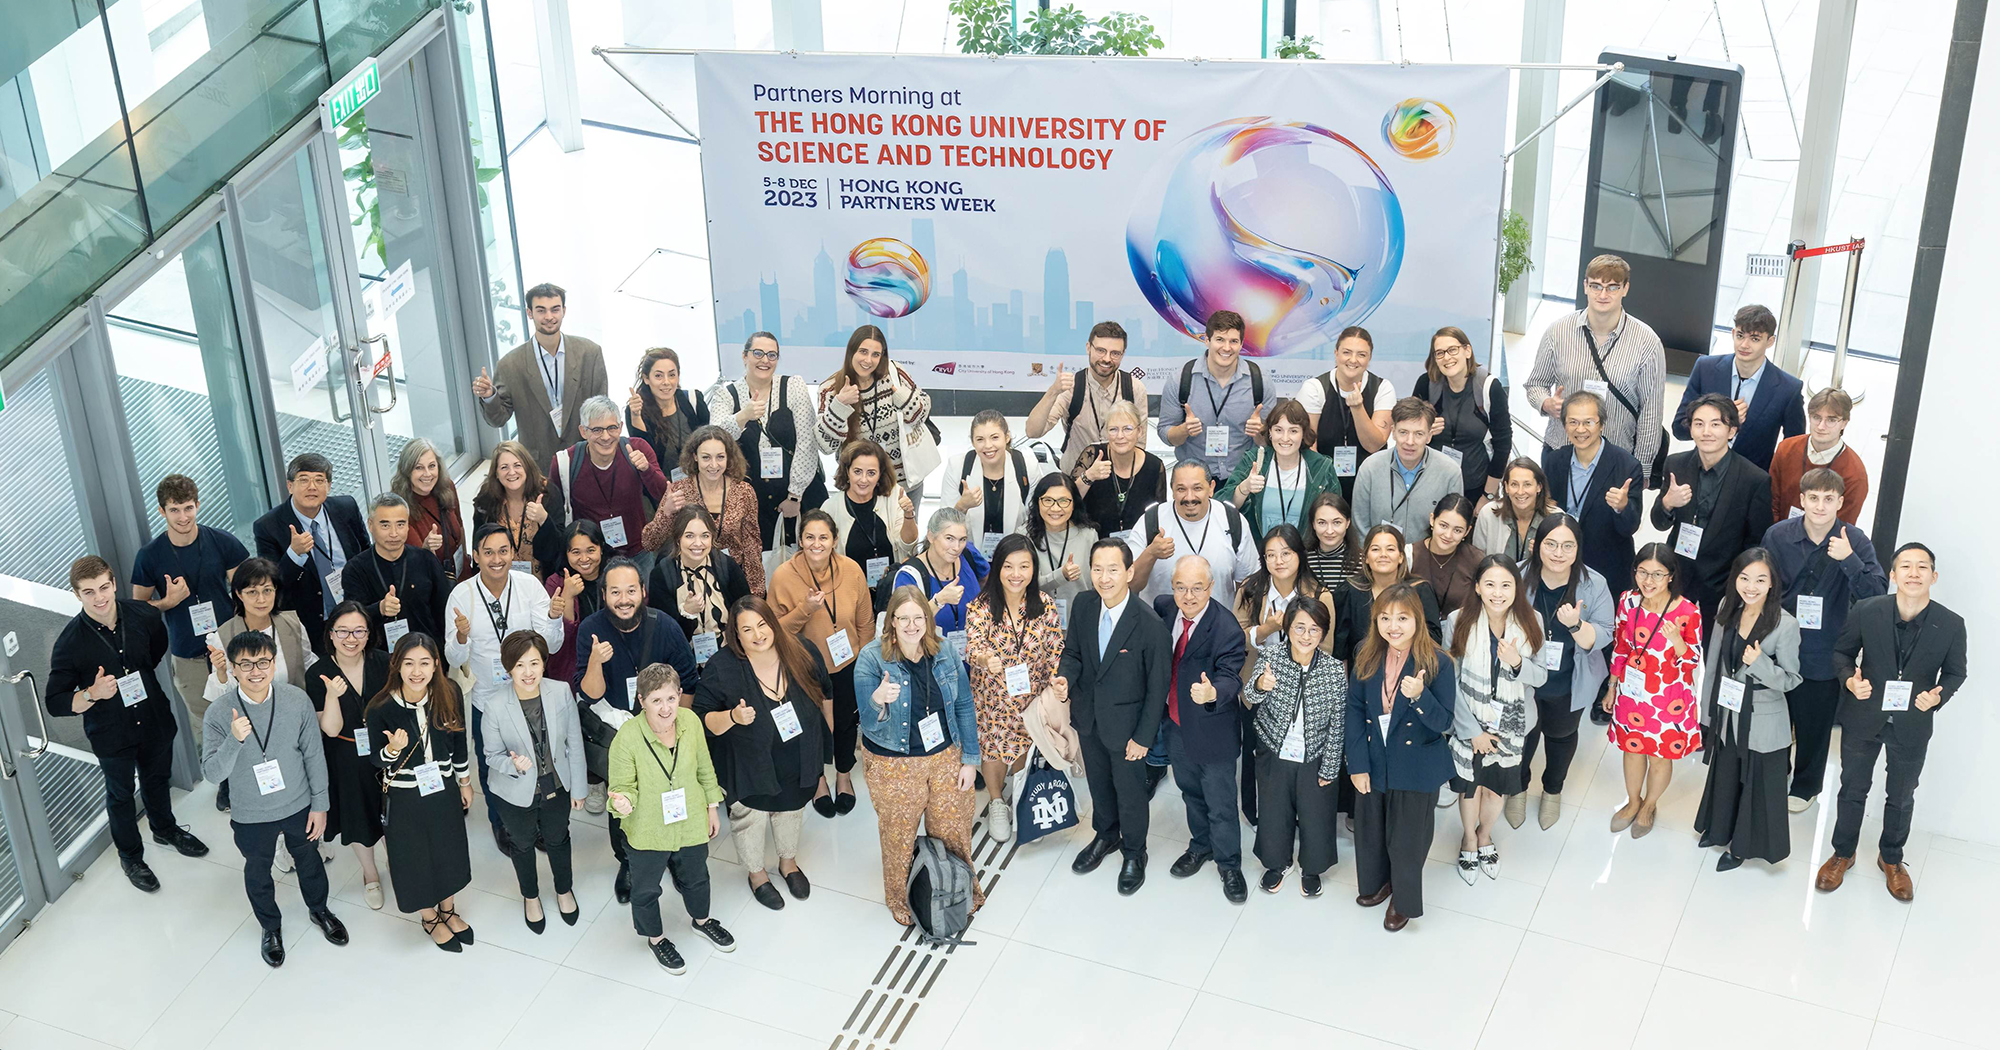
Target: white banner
<point>986,213</point>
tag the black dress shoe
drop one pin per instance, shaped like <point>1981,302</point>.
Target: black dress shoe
<point>330,926</point>
<point>1233,886</point>
<point>1189,863</point>
<point>669,957</point>
<point>273,948</point>
<point>222,797</point>
<point>183,842</point>
<point>140,875</point>
<point>1728,862</point>
<point>796,883</point>
<point>1093,855</point>
<point>823,806</point>
<point>621,887</point>
<point>1154,775</point>
<point>1132,874</point>
<point>768,896</point>
<point>843,802</point>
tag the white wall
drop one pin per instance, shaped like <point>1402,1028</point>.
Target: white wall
<point>1939,508</point>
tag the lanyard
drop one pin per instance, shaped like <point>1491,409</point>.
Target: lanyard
<point>645,645</point>
<point>182,565</point>
<point>117,632</point>
<point>1209,389</point>
<point>551,374</point>
<point>1206,523</point>
<point>833,576</point>
<point>1124,490</point>
<point>1055,560</point>
<point>957,611</point>
<point>1298,485</point>
<point>1916,633</point>
<point>499,620</point>
<point>674,751</point>
<point>1640,644</point>
<point>263,739</point>
<point>703,496</point>
<point>402,581</point>
<point>1408,490</point>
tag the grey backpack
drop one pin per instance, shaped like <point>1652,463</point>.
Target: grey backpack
<point>940,890</point>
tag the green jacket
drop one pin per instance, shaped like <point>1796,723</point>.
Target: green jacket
<point>1320,477</point>
<point>635,774</point>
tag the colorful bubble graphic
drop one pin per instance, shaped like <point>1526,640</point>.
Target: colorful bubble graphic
<point>1419,129</point>
<point>887,278</point>
<point>1288,224</point>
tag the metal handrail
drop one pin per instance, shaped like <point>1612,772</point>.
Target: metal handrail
<point>41,720</point>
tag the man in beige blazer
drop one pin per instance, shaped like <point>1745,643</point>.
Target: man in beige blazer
<point>543,382</point>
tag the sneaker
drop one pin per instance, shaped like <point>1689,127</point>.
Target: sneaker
<point>283,860</point>
<point>1468,866</point>
<point>372,893</point>
<point>668,956</point>
<point>1489,861</point>
<point>1272,880</point>
<point>594,802</point>
<point>999,821</point>
<point>1309,885</point>
<point>1796,804</point>
<point>721,938</point>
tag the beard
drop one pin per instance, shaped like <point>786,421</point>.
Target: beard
<point>624,623</point>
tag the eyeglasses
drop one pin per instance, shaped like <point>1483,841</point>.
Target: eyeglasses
<point>912,621</point>
<point>610,431</point>
<point>1120,431</point>
<point>248,666</point>
<point>1653,574</point>
<point>350,632</point>
<point>1451,351</point>
<point>1191,588</point>
<point>262,590</point>
<point>1560,548</point>
<point>1600,288</point>
<point>763,355</point>
<point>1057,502</point>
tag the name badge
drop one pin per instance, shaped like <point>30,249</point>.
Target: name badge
<point>705,645</point>
<point>876,568</point>
<point>840,648</point>
<point>429,780</point>
<point>1294,747</point>
<point>1382,721</point>
<point>1795,512</point>
<point>1062,610</point>
<point>361,747</point>
<point>555,420</point>
<point>677,475</point>
<point>931,729</point>
<point>1687,542</point>
<point>614,531</point>
<point>787,721</point>
<point>673,806</point>
<point>201,617</point>
<point>1017,679</point>
<point>335,587</point>
<point>1215,440</point>
<point>1730,694</point>
<point>956,640</point>
<point>1896,695</point>
<point>1552,655</point>
<point>497,672</point>
<point>1599,387</point>
<point>632,691</point>
<point>524,566</point>
<point>1345,459</point>
<point>1812,610</point>
<point>1456,455</point>
<point>269,777</point>
<point>771,463</point>
<point>1634,683</point>
<point>132,688</point>
<point>988,541</point>
<point>394,631</point>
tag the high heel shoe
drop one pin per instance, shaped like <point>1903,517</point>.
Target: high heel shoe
<point>568,917</point>
<point>463,936</point>
<point>535,925</point>
<point>430,930</point>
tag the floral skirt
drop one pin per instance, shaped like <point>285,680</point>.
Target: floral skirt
<point>1659,726</point>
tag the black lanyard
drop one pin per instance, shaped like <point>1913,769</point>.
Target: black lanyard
<point>1640,644</point>
<point>551,372</point>
<point>833,576</point>
<point>117,650</point>
<point>402,581</point>
<point>499,620</point>
<point>645,644</point>
<point>1209,388</point>
<point>1278,482</point>
<point>1916,634</point>
<point>1055,560</point>
<point>957,610</point>
<point>263,739</point>
<point>674,751</point>
<point>703,497</point>
<point>1206,523</point>
<point>1408,490</point>
<point>182,565</point>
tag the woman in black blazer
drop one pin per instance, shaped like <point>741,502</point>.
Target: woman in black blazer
<point>1399,711</point>
<point>1385,561</point>
<point>696,582</point>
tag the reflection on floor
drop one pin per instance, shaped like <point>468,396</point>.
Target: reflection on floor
<point>1586,939</point>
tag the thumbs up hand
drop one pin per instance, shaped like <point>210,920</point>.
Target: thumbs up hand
<point>239,726</point>
<point>637,458</point>
<point>434,540</point>
<point>1253,428</point>
<point>1412,686</point>
<point>1553,404</point>
<point>482,385</point>
<point>1065,380</point>
<point>521,762</point>
<point>301,541</point>
<point>1203,691</point>
<point>335,686</point>
<point>1677,495</point>
<point>1616,498</point>
<point>1510,654</point>
<point>177,590</point>
<point>1838,546</point>
<point>971,494</point>
<point>462,625</point>
<point>1070,570</point>
<point>742,714</point>
<point>103,687</point>
<point>1254,482</point>
<point>1862,688</point>
<point>392,606</point>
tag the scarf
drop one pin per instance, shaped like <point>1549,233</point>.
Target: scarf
<point>1497,703</point>
<point>699,596</point>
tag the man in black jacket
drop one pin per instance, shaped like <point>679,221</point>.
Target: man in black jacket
<point>1115,665</point>
<point>404,588</point>
<point>1911,660</point>
<point>1600,485</point>
<point>1716,504</point>
<point>104,668</point>
<point>1205,678</point>
<point>310,537</point>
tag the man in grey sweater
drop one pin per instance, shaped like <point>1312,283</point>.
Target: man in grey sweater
<point>263,740</point>
<point>1402,483</point>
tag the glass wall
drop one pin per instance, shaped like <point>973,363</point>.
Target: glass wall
<point>41,521</point>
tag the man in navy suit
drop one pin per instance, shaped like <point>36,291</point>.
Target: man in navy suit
<point>1114,670</point>
<point>1598,484</point>
<point>1204,681</point>
<point>1769,400</point>
<point>309,537</point>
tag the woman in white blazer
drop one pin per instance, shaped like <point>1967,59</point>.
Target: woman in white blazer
<point>535,771</point>
<point>994,483</point>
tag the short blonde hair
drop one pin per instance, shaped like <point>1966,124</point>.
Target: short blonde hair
<point>1608,268</point>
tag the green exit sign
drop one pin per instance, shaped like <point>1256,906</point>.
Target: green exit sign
<point>353,92</point>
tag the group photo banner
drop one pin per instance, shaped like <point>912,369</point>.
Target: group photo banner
<point>985,214</point>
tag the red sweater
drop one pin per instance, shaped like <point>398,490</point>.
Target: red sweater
<point>619,491</point>
<point>1788,465</point>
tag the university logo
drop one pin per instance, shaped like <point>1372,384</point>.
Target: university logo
<point>1138,373</point>
<point>1035,369</point>
<point>948,368</point>
<point>1049,810</point>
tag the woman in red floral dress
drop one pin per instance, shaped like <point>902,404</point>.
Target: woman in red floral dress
<point>1654,717</point>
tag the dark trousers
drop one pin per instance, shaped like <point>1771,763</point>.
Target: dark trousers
<point>688,866</point>
<point>1246,731</point>
<point>1858,748</point>
<point>846,719</point>
<point>619,847</point>
<point>151,764</point>
<point>1557,722</point>
<point>1117,793</point>
<point>1813,705</point>
<point>545,818</point>
<point>1392,834</point>
<point>1295,806</point>
<point>478,753</point>
<point>1209,789</point>
<point>259,845</point>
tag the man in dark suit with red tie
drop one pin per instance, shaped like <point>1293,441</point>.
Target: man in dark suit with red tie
<point>1204,682</point>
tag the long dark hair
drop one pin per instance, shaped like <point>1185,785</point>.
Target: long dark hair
<point>447,710</point>
<point>792,656</point>
<point>1664,556</point>
<point>1531,566</point>
<point>994,593</point>
<point>1473,609</point>
<point>1364,577</point>
<point>1423,650</point>
<point>1258,586</point>
<point>1350,545</point>
<point>1732,602</point>
<point>846,376</point>
<point>665,433</point>
<point>1032,522</point>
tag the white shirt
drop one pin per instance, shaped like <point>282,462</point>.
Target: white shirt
<point>525,607</point>
<point>1312,396</point>
<point>1209,538</point>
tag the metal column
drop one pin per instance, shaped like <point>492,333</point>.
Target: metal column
<point>1541,41</point>
<point>1813,191</point>
<point>562,104</point>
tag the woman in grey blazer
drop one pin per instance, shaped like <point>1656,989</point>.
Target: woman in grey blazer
<point>1753,660</point>
<point>534,770</point>
<point>1577,614</point>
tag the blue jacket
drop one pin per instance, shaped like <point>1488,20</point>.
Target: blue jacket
<point>1779,406</point>
<point>889,727</point>
<point>1840,583</point>
<point>1415,757</point>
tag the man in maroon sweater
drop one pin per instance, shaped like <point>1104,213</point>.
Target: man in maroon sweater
<point>607,478</point>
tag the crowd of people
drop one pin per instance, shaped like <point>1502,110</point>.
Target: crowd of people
<point>1331,606</point>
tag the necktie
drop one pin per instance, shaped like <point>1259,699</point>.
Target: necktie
<point>1174,690</point>
<point>1104,626</point>
<point>323,564</point>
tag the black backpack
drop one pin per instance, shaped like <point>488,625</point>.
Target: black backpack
<point>1020,472</point>
<point>1150,525</point>
<point>1078,394</point>
<point>1187,383</point>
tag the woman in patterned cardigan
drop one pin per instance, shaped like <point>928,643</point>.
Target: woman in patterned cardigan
<point>1496,637</point>
<point>1298,694</point>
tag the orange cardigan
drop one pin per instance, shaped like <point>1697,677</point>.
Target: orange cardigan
<point>849,606</point>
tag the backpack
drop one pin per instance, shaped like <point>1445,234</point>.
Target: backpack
<point>1187,384</point>
<point>1480,384</point>
<point>1020,472</point>
<point>940,890</point>
<point>1077,396</point>
<point>1329,437</point>
<point>566,473</point>
<point>1150,525</point>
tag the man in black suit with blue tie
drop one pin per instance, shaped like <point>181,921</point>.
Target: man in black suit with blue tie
<point>1205,679</point>
<point>1115,665</point>
<point>1770,402</point>
<point>309,537</point>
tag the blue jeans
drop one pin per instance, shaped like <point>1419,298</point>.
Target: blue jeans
<point>1209,789</point>
<point>1156,756</point>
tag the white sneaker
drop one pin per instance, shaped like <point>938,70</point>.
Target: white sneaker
<point>372,893</point>
<point>594,802</point>
<point>283,861</point>
<point>1468,866</point>
<point>999,821</point>
<point>1489,861</point>
<point>1798,805</point>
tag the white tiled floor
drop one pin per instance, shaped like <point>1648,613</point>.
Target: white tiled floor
<point>1587,940</point>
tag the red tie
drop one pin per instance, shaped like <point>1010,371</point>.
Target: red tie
<point>1174,686</point>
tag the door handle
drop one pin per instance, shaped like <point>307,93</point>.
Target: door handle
<point>336,377</point>
<point>390,367</point>
<point>41,721</point>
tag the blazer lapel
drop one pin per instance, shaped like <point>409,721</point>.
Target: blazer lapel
<point>572,366</point>
<point>1120,631</point>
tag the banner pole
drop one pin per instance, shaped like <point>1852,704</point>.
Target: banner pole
<point>600,49</point>
<point>1610,71</point>
<point>605,54</point>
